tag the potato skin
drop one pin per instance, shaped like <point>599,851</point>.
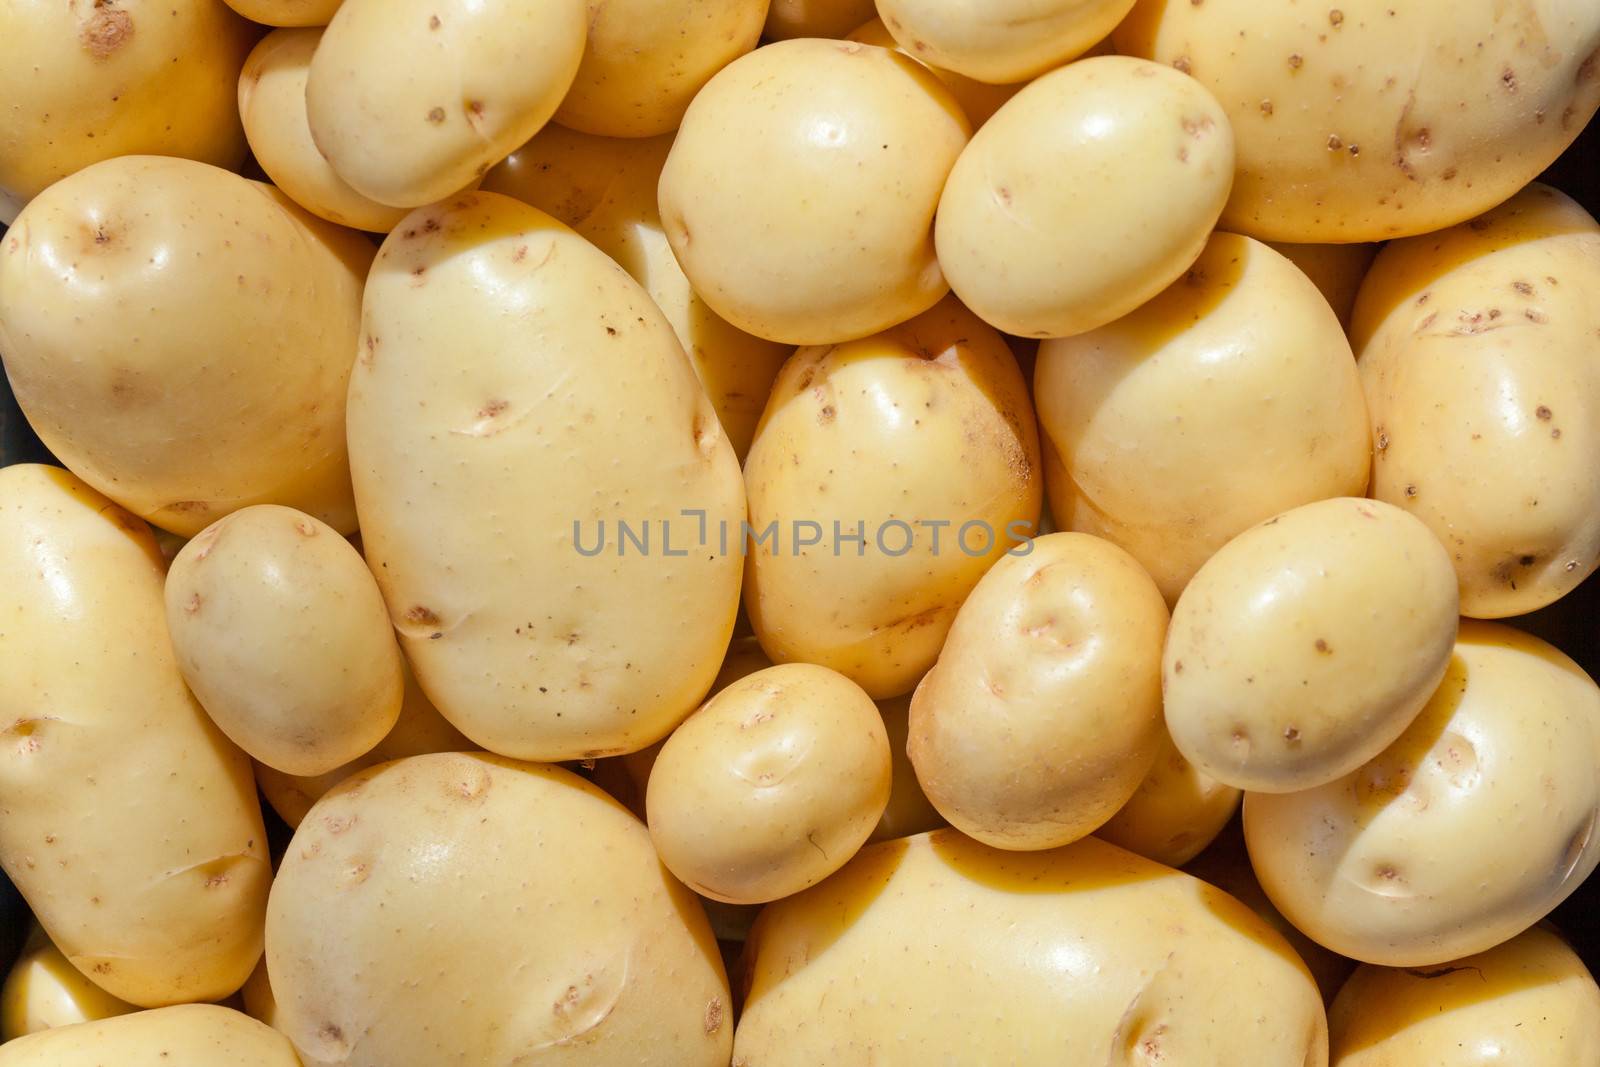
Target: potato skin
<point>909,811</point>
<point>1175,813</point>
<point>978,99</point>
<point>287,12</point>
<point>1001,41</point>
<point>149,873</point>
<point>815,18</point>
<point>167,1037</point>
<point>1337,270</point>
<point>44,991</point>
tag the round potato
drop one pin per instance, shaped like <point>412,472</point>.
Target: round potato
<point>909,810</point>
<point>1307,644</point>
<point>979,100</point>
<point>1001,41</point>
<point>815,18</point>
<point>1337,270</point>
<point>1477,353</point>
<point>287,12</point>
<point>1367,119</point>
<point>1463,833</point>
<point>1175,813</point>
<point>168,1037</point>
<point>1094,189</point>
<point>886,476</point>
<point>44,991</point>
<point>800,192</point>
<point>528,911</point>
<point>1229,398</point>
<point>1043,713</point>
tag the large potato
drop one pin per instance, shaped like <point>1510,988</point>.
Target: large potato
<point>44,991</point>
<point>1001,41</point>
<point>801,189</point>
<point>468,909</point>
<point>815,18</point>
<point>1225,400</point>
<point>492,485</point>
<point>1337,270</point>
<point>131,823</point>
<point>907,463</point>
<point>182,338</point>
<point>1362,120</point>
<point>979,100</point>
<point>1175,813</point>
<point>938,950</point>
<point>1464,832</point>
<point>287,12</point>
<point>1043,713</point>
<point>188,1035</point>
<point>1477,350</point>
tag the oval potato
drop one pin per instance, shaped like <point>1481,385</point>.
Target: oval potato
<point>1337,271</point>
<point>1001,41</point>
<point>815,18</point>
<point>909,810</point>
<point>287,12</point>
<point>979,100</point>
<point>43,991</point>
<point>167,1037</point>
<point>1175,813</point>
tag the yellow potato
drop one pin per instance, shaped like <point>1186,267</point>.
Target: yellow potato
<point>979,100</point>
<point>1463,833</point>
<point>1094,189</point>
<point>536,926</point>
<point>1225,400</point>
<point>188,1035</point>
<point>1361,120</point>
<point>492,485</point>
<point>259,1002</point>
<point>44,991</point>
<point>1337,271</point>
<point>909,810</point>
<point>287,12</point>
<point>800,192</point>
<point>1043,713</point>
<point>1307,644</point>
<point>815,18</point>
<point>938,950</point>
<point>1001,41</point>
<point>411,101</point>
<point>1477,353</point>
<point>131,824</point>
<point>920,442</point>
<point>1175,813</point>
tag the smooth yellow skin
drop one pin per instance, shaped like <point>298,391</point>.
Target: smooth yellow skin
<point>470,473</point>
<point>978,99</point>
<point>605,188</point>
<point>1175,813</point>
<point>936,949</point>
<point>287,12</point>
<point>131,825</point>
<point>180,1036</point>
<point>927,422</point>
<point>1308,644</point>
<point>1043,713</point>
<point>259,1003</point>
<point>800,192</point>
<point>1001,41</point>
<point>411,101</point>
<point>1530,1002</point>
<point>1477,354</point>
<point>1337,270</point>
<point>909,810</point>
<point>1227,399</point>
<point>1094,189</point>
<point>182,338</point>
<point>815,18</point>
<point>44,991</point>
<point>539,927</point>
<point>85,81</point>
<point>1364,120</point>
<point>771,786</point>
<point>1466,831</point>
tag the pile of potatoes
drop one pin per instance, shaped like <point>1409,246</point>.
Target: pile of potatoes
<point>766,532</point>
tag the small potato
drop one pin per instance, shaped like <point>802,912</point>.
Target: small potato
<point>1337,270</point>
<point>259,1002</point>
<point>45,991</point>
<point>1227,399</point>
<point>1001,41</point>
<point>1174,814</point>
<point>1307,644</point>
<point>287,12</point>
<point>1094,189</point>
<point>800,192</point>
<point>815,18</point>
<point>1463,833</point>
<point>188,1035</point>
<point>979,100</point>
<point>1043,713</point>
<point>910,811</point>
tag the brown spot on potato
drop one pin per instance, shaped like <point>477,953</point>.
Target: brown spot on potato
<point>1183,64</point>
<point>1334,142</point>
<point>1411,491</point>
<point>714,1015</point>
<point>433,22</point>
<point>1336,17</point>
<point>1296,61</point>
<point>1543,413</point>
<point>1267,107</point>
<point>192,605</point>
<point>1523,287</point>
<point>826,414</point>
<point>1508,78</point>
<point>107,29</point>
<point>436,115</point>
<point>305,528</point>
<point>1323,647</point>
<point>422,616</point>
<point>1535,316</point>
<point>492,408</point>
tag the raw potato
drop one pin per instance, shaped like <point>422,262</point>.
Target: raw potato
<point>191,357</point>
<point>539,927</point>
<point>259,1002</point>
<point>1225,400</point>
<point>1174,814</point>
<point>131,824</point>
<point>287,12</point>
<point>188,1035</point>
<point>1361,120</point>
<point>1094,189</point>
<point>1001,41</point>
<point>1337,270</point>
<point>1463,833</point>
<point>978,99</point>
<point>483,480</point>
<point>1477,351</point>
<point>44,991</point>
<point>800,192</point>
<point>909,811</point>
<point>1307,644</point>
<point>771,786</point>
<point>926,423</point>
<point>936,949</point>
<point>85,80</point>
<point>1043,713</point>
<point>412,101</point>
<point>815,18</point>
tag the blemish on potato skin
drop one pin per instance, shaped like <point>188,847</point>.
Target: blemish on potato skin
<point>107,30</point>
<point>436,115</point>
<point>1323,647</point>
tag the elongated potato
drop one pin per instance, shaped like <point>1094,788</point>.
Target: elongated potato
<point>1001,41</point>
<point>979,100</point>
<point>198,1034</point>
<point>1175,813</point>
<point>532,621</point>
<point>44,991</point>
<point>1337,270</point>
<point>132,826</point>
<point>815,18</point>
<point>287,12</point>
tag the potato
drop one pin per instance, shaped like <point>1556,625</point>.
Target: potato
<point>1225,400</point>
<point>188,1034</point>
<point>492,485</point>
<point>1174,814</point>
<point>978,99</point>
<point>1308,644</point>
<point>1530,1002</point>
<point>1477,354</point>
<point>85,80</point>
<point>909,811</point>
<point>257,995</point>
<point>525,909</point>
<point>413,100</point>
<point>815,18</point>
<point>1000,41</point>
<point>1337,271</point>
<point>1034,228</point>
<point>936,949</point>
<point>1369,119</point>
<point>182,338</point>
<point>44,991</point>
<point>909,463</point>
<point>800,192</point>
<point>1463,833</point>
<point>605,188</point>
<point>131,824</point>
<point>287,12</point>
<point>1043,713</point>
